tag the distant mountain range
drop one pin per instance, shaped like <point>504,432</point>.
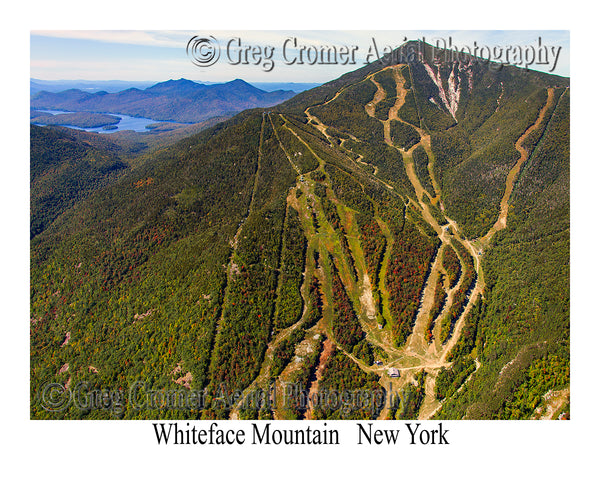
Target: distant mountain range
<point>174,100</point>
<point>111,86</point>
<point>92,86</point>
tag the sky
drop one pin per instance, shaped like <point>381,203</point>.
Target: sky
<point>147,55</point>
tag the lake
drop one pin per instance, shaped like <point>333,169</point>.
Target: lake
<point>137,124</point>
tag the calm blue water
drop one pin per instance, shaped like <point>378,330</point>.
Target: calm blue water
<point>127,123</point>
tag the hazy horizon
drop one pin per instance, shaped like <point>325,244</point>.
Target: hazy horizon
<point>113,86</point>
<point>154,55</point>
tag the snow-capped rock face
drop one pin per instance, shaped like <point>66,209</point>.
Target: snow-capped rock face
<point>451,97</point>
<point>500,97</point>
<point>453,91</point>
<point>432,100</point>
<point>470,77</point>
<point>437,79</point>
<point>467,68</point>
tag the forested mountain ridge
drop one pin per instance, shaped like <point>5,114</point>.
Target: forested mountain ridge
<point>174,100</point>
<point>65,166</point>
<point>406,225</point>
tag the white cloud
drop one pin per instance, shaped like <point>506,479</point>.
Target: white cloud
<point>121,69</point>
<point>127,37</point>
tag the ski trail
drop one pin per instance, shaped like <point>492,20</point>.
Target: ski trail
<point>294,166</point>
<point>231,266</point>
<point>417,340</point>
<point>512,175</point>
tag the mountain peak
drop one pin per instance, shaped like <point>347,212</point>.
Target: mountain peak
<point>180,85</point>
<point>240,85</point>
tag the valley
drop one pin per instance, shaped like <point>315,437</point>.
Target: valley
<point>99,123</point>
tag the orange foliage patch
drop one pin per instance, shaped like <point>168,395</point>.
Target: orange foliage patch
<point>142,183</point>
